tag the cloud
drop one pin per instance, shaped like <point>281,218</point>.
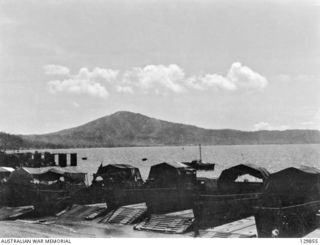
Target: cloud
<point>78,87</point>
<point>210,80</point>
<point>243,76</point>
<point>108,75</point>
<point>84,82</point>
<point>237,77</point>
<point>268,126</point>
<point>158,79</point>
<point>75,104</point>
<point>124,89</point>
<point>56,70</point>
<point>155,77</point>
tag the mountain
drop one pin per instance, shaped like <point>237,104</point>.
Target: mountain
<point>133,129</point>
<point>13,142</point>
<point>10,141</point>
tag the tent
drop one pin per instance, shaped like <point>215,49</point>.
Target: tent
<point>170,174</point>
<point>26,175</point>
<point>292,186</point>
<point>228,180</point>
<point>117,173</point>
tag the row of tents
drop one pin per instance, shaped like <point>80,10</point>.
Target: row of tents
<point>284,203</point>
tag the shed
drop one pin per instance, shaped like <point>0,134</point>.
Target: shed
<point>231,181</point>
<point>292,186</point>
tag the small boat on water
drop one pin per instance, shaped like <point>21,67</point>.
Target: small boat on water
<point>290,202</point>
<point>238,191</point>
<point>199,164</point>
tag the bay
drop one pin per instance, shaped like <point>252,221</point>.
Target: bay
<point>272,157</point>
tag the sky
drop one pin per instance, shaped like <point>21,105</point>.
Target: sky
<point>246,65</point>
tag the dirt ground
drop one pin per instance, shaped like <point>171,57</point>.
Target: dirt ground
<point>22,228</point>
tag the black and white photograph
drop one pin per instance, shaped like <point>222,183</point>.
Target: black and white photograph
<point>159,119</point>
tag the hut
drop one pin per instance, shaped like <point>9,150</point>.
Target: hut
<point>170,187</point>
<point>290,201</point>
<point>238,191</point>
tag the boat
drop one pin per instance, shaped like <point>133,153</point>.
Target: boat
<point>290,203</point>
<point>237,192</point>
<point>170,187</point>
<point>48,189</point>
<point>199,164</point>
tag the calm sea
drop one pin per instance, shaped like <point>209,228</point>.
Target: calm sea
<point>272,157</point>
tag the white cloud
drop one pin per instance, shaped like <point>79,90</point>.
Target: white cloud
<point>84,82</point>
<point>56,70</point>
<point>268,126</point>
<point>243,76</point>
<point>124,89</point>
<point>75,104</point>
<point>155,77</point>
<point>78,87</point>
<point>158,79</point>
<point>210,80</point>
<point>238,76</point>
<point>108,75</point>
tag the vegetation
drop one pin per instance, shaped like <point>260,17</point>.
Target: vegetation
<point>133,129</point>
<point>9,141</point>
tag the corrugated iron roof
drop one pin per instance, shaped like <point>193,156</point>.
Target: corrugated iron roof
<point>37,171</point>
<point>165,223</point>
<point>126,215</point>
<point>174,164</point>
<point>71,170</point>
<point>6,169</point>
<point>244,228</point>
<point>14,212</point>
<point>82,212</point>
<point>120,165</point>
<point>58,170</point>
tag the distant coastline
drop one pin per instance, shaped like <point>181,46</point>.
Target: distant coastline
<point>128,129</point>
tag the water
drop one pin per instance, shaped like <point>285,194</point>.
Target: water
<point>272,157</point>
